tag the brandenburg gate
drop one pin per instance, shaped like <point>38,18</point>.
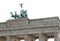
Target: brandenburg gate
<point>30,30</point>
<point>22,28</point>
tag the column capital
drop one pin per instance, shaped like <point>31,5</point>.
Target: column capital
<point>56,37</point>
<point>41,37</point>
<point>29,38</point>
<point>8,38</point>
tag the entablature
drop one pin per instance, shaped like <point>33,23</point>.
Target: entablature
<point>27,23</point>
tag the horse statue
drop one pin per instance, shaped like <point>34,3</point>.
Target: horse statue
<point>14,16</point>
<point>23,14</point>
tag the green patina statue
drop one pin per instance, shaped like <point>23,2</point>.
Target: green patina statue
<point>14,15</point>
<point>23,14</point>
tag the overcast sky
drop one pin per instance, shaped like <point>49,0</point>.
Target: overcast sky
<point>35,8</point>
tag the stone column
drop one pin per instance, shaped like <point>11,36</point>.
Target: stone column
<point>56,37</point>
<point>33,38</point>
<point>41,37</point>
<point>8,38</point>
<point>12,38</point>
<point>29,38</point>
<point>15,39</point>
<point>46,38</point>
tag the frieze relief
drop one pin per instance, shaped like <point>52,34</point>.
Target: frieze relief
<point>17,23</point>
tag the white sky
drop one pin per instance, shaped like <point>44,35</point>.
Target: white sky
<point>36,8</point>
